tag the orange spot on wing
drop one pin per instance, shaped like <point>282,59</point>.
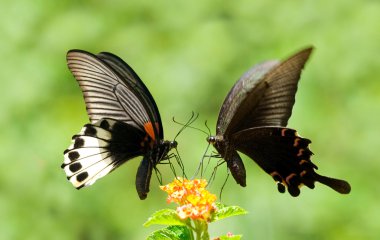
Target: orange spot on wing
<point>303,173</point>
<point>300,152</point>
<point>302,162</point>
<point>283,131</point>
<point>296,142</point>
<point>149,129</point>
<point>290,177</point>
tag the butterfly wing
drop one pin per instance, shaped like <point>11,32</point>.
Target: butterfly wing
<point>264,96</point>
<point>251,83</point>
<point>252,119</point>
<point>129,76</point>
<point>124,115</point>
<point>285,156</point>
<point>108,95</point>
<point>100,148</point>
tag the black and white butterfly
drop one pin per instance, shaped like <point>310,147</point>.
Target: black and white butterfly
<point>125,122</point>
<point>253,121</point>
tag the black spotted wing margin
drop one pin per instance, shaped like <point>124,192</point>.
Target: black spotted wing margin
<point>100,148</point>
<point>284,155</point>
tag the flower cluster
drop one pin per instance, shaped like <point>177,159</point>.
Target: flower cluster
<point>194,200</point>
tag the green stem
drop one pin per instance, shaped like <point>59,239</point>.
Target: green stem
<point>189,225</point>
<point>201,230</point>
<point>197,230</point>
<point>206,236</point>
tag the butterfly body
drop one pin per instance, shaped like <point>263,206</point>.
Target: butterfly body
<point>253,120</point>
<point>125,122</point>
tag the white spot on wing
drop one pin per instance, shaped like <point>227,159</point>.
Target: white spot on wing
<point>83,153</point>
<point>92,172</point>
<point>88,162</point>
<point>101,174</point>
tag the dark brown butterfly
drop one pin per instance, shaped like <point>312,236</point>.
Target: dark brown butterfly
<point>253,121</point>
<point>125,122</point>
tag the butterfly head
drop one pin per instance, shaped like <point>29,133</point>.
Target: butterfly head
<point>166,146</point>
<point>211,140</point>
<point>171,144</point>
<point>215,139</point>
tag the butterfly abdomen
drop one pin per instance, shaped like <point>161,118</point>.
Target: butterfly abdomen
<point>236,166</point>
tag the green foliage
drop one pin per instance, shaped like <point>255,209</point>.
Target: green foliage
<point>171,232</point>
<point>170,217</point>
<point>234,237</point>
<point>226,211</point>
<point>164,217</point>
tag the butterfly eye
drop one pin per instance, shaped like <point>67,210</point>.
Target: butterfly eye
<point>173,144</point>
<point>211,140</point>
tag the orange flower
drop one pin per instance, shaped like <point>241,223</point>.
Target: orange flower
<point>194,200</point>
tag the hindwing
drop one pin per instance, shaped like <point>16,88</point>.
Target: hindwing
<point>100,148</point>
<point>285,156</point>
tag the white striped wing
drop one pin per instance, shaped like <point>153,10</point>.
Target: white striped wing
<point>130,78</point>
<point>94,151</point>
<point>106,95</point>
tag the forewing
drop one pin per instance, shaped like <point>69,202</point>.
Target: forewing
<point>267,96</point>
<point>130,78</point>
<point>105,92</point>
<point>275,106</point>
<point>252,85</point>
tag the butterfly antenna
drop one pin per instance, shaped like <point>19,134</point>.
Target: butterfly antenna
<point>209,130</point>
<point>192,119</point>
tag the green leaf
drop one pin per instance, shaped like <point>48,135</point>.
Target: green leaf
<point>172,232</point>
<point>164,217</point>
<point>234,237</point>
<point>226,211</point>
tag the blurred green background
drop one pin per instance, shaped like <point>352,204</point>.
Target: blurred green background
<point>189,54</point>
